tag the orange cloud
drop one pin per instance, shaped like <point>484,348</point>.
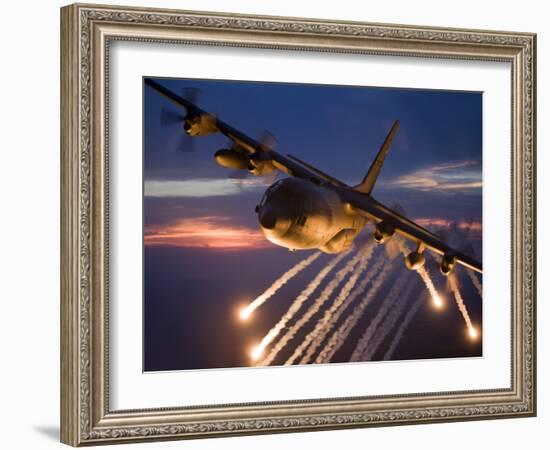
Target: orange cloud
<point>459,176</point>
<point>206,232</point>
<point>444,223</point>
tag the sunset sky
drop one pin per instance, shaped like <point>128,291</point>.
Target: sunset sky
<point>201,234</point>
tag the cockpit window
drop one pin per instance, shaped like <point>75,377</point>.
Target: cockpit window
<point>274,187</point>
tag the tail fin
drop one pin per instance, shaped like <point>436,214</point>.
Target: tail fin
<point>370,178</point>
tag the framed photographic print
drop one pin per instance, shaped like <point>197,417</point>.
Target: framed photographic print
<point>275,224</point>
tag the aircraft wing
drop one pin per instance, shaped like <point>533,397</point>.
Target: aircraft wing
<point>377,212</point>
<point>435,244</point>
<point>257,152</point>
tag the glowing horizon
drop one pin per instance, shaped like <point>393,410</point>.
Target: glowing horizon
<point>445,223</point>
<point>213,232</point>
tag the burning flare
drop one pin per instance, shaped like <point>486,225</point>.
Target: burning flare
<point>423,272</point>
<point>436,299</point>
<point>461,306</point>
<point>245,313</point>
<point>256,352</point>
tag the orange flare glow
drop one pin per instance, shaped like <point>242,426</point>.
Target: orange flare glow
<point>436,299</point>
<point>245,313</point>
<point>256,353</point>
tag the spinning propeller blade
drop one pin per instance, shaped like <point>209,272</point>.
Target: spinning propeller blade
<point>186,144</point>
<point>169,117</point>
<point>191,94</point>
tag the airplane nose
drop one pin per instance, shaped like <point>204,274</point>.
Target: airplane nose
<point>273,221</point>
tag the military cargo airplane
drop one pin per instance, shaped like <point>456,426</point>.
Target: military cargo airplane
<point>311,209</point>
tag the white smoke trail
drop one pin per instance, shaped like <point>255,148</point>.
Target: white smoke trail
<point>389,323</point>
<point>323,330</point>
<point>402,245</point>
<point>424,274</point>
<point>338,301</point>
<point>401,330</point>
<point>340,335</point>
<point>364,340</point>
<point>461,306</point>
<point>296,305</point>
<point>319,302</point>
<point>475,282</point>
<point>393,247</point>
<point>277,284</point>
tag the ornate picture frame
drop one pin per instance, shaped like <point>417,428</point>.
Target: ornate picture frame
<point>87,32</point>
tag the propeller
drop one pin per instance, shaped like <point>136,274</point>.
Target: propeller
<point>191,94</point>
<point>268,140</point>
<point>170,118</point>
<point>186,144</point>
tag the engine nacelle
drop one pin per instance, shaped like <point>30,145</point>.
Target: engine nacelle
<point>415,260</point>
<point>260,168</point>
<point>383,231</point>
<point>200,125</point>
<point>447,264</point>
<point>231,159</point>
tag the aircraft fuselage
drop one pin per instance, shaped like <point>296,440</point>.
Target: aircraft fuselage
<point>300,214</point>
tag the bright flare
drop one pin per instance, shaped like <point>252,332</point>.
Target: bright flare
<point>436,299</point>
<point>245,313</point>
<point>438,303</point>
<point>461,306</point>
<point>256,353</point>
<point>277,284</point>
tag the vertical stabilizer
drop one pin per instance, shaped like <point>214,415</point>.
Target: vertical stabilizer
<point>368,182</point>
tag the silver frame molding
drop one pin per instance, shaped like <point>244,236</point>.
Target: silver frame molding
<point>86,31</point>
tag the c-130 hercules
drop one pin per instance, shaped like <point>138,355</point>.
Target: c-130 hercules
<point>310,209</point>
